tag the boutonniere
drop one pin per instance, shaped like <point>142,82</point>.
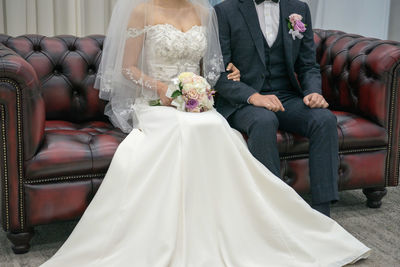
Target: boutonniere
<point>296,26</point>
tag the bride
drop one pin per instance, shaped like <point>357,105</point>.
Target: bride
<point>183,189</point>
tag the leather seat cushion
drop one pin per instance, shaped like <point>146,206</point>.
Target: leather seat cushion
<point>70,149</point>
<point>354,133</point>
<point>79,149</point>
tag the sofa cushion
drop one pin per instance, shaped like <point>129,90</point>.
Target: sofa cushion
<point>355,133</point>
<point>70,149</point>
<point>82,149</point>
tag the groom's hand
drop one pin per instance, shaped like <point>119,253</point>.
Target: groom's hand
<point>235,74</point>
<point>270,102</point>
<point>315,100</point>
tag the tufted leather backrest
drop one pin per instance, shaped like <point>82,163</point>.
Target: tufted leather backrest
<point>66,67</point>
<point>357,72</point>
<point>354,70</point>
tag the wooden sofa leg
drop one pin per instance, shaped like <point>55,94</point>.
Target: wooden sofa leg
<point>374,196</point>
<point>20,241</point>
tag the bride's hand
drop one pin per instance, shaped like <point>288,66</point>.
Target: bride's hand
<point>162,90</point>
<point>235,74</point>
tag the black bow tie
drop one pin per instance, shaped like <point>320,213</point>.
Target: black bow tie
<point>261,1</point>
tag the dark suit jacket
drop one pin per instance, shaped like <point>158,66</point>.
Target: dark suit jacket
<point>242,44</point>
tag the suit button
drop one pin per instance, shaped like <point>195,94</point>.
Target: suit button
<point>262,76</point>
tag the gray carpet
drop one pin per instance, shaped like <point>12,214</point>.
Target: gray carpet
<point>377,228</point>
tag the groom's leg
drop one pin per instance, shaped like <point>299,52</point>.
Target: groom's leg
<point>320,126</point>
<point>261,126</point>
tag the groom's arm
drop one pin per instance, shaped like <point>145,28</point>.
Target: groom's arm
<point>237,93</point>
<point>306,67</point>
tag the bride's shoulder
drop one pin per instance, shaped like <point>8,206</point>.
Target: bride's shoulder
<point>138,14</point>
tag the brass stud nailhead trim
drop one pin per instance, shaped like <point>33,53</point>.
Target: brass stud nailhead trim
<point>391,126</point>
<point>20,150</point>
<point>350,151</point>
<point>20,157</point>
<point>65,178</point>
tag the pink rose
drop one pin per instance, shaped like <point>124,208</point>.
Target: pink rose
<point>192,94</point>
<point>299,26</point>
<point>295,17</point>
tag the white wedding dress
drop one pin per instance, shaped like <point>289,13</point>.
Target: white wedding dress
<point>184,191</point>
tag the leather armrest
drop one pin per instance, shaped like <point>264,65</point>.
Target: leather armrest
<point>22,119</point>
<point>20,96</point>
<point>362,75</point>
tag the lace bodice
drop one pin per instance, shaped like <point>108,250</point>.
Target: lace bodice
<point>169,51</point>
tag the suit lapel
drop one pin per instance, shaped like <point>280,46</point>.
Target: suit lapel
<point>287,41</point>
<point>248,10</point>
<point>286,10</point>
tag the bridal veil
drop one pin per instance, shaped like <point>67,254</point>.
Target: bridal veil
<point>124,74</point>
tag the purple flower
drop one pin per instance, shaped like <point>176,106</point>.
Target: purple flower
<point>192,104</point>
<point>299,26</point>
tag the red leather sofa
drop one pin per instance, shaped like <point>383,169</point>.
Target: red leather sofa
<point>56,144</point>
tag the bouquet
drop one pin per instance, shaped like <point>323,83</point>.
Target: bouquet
<point>190,93</point>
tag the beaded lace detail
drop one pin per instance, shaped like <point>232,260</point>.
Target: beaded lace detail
<point>169,51</point>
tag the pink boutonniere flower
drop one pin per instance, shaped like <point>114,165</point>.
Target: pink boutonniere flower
<point>296,26</point>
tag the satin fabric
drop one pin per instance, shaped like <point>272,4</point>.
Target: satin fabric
<point>183,190</point>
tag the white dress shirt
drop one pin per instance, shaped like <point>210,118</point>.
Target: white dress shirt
<point>268,16</point>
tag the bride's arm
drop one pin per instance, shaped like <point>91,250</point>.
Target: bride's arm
<point>134,45</point>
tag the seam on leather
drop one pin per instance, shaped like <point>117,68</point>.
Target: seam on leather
<point>5,171</point>
<point>91,151</point>
<point>341,144</point>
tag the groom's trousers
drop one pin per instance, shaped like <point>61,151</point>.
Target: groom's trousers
<point>318,125</point>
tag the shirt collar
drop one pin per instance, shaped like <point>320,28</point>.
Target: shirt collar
<point>268,1</point>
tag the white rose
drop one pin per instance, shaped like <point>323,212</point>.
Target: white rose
<point>179,103</point>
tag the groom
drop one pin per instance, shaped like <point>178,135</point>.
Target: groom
<point>280,87</point>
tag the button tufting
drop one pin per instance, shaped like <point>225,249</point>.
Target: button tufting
<point>57,70</point>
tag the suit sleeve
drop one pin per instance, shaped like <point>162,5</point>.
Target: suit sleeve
<point>236,93</point>
<point>306,67</point>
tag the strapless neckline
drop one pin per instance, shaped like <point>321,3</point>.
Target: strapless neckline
<point>170,26</point>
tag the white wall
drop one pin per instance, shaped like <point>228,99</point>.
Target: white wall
<point>365,17</point>
<point>372,18</point>
<point>394,22</point>
<point>53,17</point>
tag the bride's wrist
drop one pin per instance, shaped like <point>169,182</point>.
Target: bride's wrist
<point>161,88</point>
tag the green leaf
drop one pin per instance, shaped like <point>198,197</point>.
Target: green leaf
<point>176,94</point>
<point>289,25</point>
<point>155,102</point>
